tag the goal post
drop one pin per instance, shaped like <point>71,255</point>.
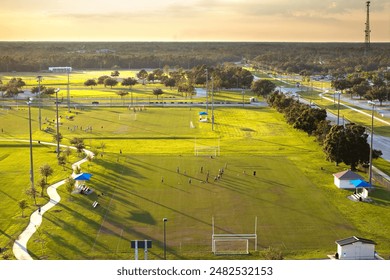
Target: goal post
<point>232,244</point>
<point>207,150</point>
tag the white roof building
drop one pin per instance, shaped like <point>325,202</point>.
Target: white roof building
<point>355,248</point>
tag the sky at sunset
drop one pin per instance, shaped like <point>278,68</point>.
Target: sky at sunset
<point>193,20</point>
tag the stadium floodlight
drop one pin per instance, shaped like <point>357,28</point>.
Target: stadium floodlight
<point>58,125</point>
<point>31,151</point>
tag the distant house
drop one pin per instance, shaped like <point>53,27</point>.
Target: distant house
<point>343,179</point>
<point>355,248</point>
<point>60,69</point>
<point>105,51</point>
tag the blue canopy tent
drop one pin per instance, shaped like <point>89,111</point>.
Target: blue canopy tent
<point>80,185</point>
<point>363,186</point>
<point>203,116</point>
<point>83,177</point>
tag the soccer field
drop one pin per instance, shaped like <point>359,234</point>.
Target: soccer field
<point>148,171</point>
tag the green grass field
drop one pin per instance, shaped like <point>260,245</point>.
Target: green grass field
<point>299,209</point>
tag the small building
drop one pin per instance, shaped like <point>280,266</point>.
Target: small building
<point>343,179</point>
<point>355,248</point>
<point>60,69</point>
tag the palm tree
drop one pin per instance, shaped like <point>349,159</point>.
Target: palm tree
<point>42,183</point>
<point>46,171</point>
<point>23,205</point>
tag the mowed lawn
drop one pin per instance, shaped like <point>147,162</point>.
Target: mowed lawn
<point>135,175</point>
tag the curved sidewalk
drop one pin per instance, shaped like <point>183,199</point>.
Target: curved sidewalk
<point>20,246</point>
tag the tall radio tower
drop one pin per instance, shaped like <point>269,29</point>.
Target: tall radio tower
<point>367,31</point>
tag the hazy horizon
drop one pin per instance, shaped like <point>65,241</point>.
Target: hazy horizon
<point>193,21</point>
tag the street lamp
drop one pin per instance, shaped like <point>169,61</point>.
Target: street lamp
<point>165,220</point>
<point>58,125</point>
<point>372,137</point>
<point>31,151</point>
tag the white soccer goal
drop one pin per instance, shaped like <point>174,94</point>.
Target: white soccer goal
<point>205,150</point>
<point>232,244</point>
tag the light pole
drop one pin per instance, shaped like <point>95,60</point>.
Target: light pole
<point>243,100</point>
<point>39,79</point>
<point>372,137</point>
<point>58,125</point>
<point>31,152</point>
<point>165,220</point>
<point>68,91</point>
<point>207,90</point>
<point>212,103</point>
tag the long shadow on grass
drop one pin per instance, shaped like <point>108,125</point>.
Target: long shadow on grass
<point>156,242</point>
<point>278,205</point>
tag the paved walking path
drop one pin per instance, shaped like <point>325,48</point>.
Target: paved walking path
<point>20,246</point>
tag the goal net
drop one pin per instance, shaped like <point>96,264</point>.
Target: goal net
<point>230,245</point>
<point>206,151</point>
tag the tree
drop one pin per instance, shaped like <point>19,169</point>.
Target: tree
<point>360,89</point>
<point>42,183</point>
<point>157,92</point>
<point>129,82</point>
<point>62,161</point>
<point>46,171</point>
<point>115,73</point>
<point>170,82</point>
<point>90,83</point>
<point>23,205</point>
<point>110,82</point>
<point>48,91</point>
<point>78,143</point>
<point>142,75</point>
<point>122,93</point>
<point>347,144</point>
<point>13,87</point>
<point>67,152</point>
<point>263,87</point>
<point>36,89</point>
<point>70,182</point>
<point>341,84</point>
<point>378,93</point>
<point>309,118</point>
<point>101,79</point>
<point>32,192</point>
<point>151,77</point>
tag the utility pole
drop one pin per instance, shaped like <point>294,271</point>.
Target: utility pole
<point>367,31</point>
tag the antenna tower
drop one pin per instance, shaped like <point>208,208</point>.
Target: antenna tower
<point>367,31</point>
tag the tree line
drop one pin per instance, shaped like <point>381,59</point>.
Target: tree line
<point>325,58</point>
<point>340,143</point>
